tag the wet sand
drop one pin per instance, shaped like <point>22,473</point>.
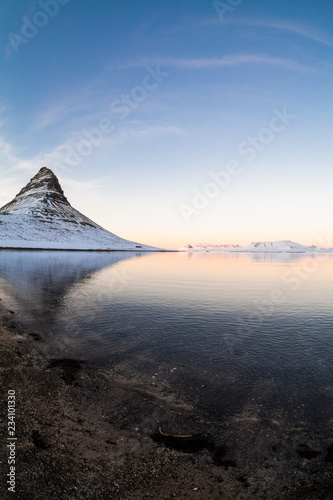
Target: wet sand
<point>87,432</point>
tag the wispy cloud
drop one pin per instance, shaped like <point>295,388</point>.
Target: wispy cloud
<point>132,132</point>
<point>81,187</point>
<point>298,29</point>
<point>9,187</point>
<point>224,62</point>
<point>284,25</point>
<point>64,108</point>
<point>64,159</point>
<point>57,159</point>
<point>11,184</point>
<point>7,152</point>
<point>9,160</point>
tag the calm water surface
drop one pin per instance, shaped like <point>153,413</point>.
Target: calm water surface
<point>229,330</point>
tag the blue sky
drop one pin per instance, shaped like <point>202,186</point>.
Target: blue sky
<point>174,122</point>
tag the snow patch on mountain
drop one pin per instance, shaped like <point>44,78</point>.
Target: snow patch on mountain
<point>40,216</point>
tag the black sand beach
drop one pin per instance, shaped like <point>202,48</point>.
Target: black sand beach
<point>84,432</point>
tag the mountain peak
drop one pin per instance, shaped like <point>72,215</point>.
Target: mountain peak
<point>44,181</point>
<point>42,190</point>
<point>40,216</point>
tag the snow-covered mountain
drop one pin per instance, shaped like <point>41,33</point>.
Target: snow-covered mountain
<point>208,246</point>
<point>285,246</point>
<point>280,246</point>
<point>40,216</point>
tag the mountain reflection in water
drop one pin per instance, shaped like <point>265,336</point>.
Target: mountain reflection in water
<point>34,283</point>
<point>237,332</point>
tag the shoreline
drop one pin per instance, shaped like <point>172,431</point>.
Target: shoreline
<point>83,432</point>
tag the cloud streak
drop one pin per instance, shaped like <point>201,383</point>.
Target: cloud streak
<point>225,62</point>
<point>304,31</point>
<point>64,108</point>
<point>6,152</point>
<point>58,159</point>
<point>283,25</point>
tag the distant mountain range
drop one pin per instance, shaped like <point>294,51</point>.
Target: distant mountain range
<point>40,216</point>
<point>285,246</point>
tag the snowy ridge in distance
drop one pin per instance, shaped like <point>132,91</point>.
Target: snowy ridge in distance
<point>284,246</point>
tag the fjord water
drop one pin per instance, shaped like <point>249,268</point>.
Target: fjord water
<point>228,330</point>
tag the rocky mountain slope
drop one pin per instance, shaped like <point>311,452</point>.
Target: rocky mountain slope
<point>40,216</point>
